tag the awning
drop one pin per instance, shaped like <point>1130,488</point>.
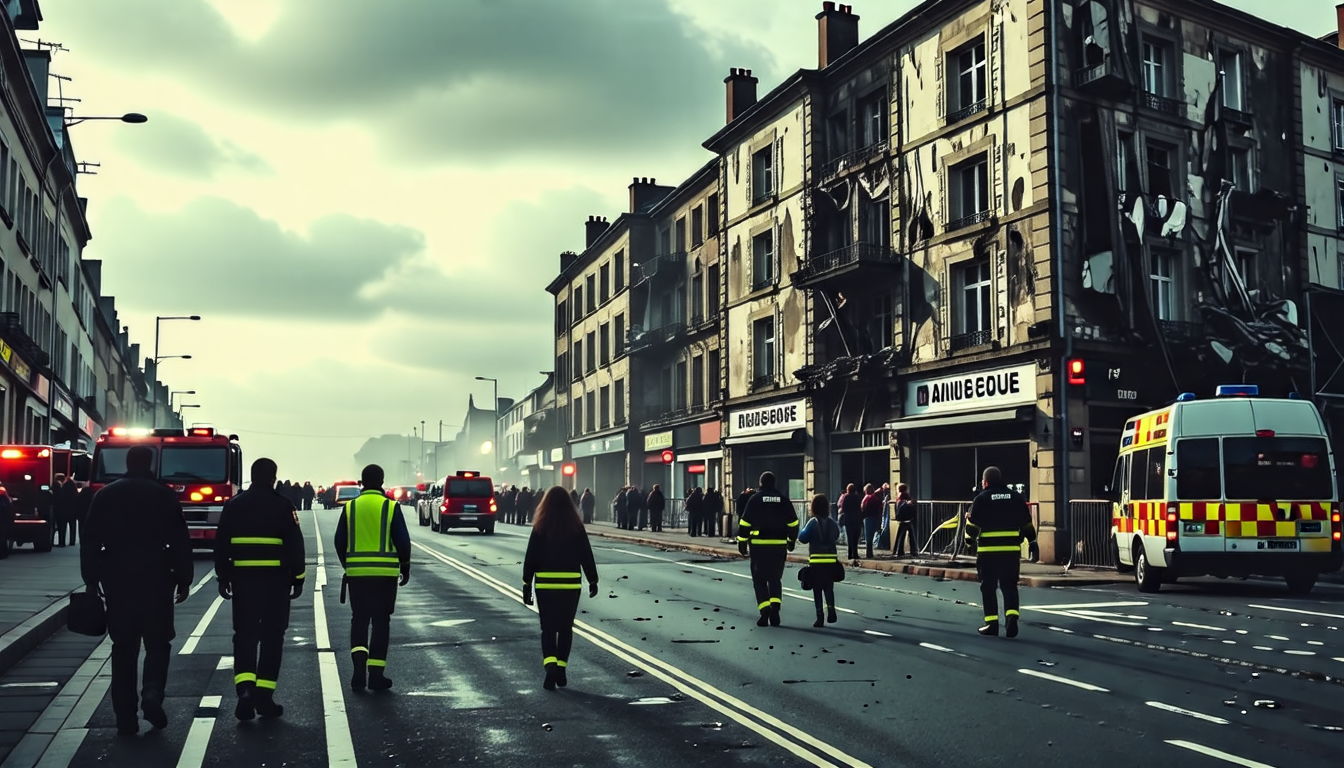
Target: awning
<point>792,435</point>
<point>702,456</point>
<point>1008,414</point>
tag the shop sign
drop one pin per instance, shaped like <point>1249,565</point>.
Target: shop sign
<point>975,391</point>
<point>776,417</point>
<point>658,441</point>
<point>557,454</point>
<point>40,387</point>
<point>612,444</point>
<point>16,363</point>
<point>64,407</point>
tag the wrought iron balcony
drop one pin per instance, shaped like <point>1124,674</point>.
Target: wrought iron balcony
<point>841,261</point>
<point>1104,79</point>
<point>851,159</point>
<point>1238,118</point>
<point>656,337</point>
<point>967,111</point>
<point>969,221</point>
<point>673,416</point>
<point>14,334</point>
<point>1161,103</point>
<point>667,263</point>
<point>973,339</point>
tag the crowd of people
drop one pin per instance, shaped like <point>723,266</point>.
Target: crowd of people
<point>301,496</point>
<point>66,504</point>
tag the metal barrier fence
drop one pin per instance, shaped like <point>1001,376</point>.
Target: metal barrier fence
<point>1089,534</point>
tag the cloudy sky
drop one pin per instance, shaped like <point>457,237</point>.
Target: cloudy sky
<point>365,200</point>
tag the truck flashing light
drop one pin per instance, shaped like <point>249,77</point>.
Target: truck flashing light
<point>1186,397</point>
<point>202,432</point>
<point>11,453</point>
<point>130,431</point>
<point>1077,372</point>
<point>468,474</point>
<point>1237,390</point>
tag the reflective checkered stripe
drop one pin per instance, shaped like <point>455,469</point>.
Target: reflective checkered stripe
<point>1146,517</point>
<point>1249,519</point>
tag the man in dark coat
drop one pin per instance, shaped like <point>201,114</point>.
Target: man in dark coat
<point>695,512</point>
<point>588,505</point>
<point>65,500</point>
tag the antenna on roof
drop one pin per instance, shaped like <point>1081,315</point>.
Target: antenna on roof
<point>83,167</point>
<point>45,45</point>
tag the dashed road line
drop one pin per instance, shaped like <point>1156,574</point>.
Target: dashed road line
<point>1204,627</point>
<point>340,741</point>
<point>1217,753</point>
<point>189,647</point>
<point>1298,610</point>
<point>201,584</point>
<point>198,736</point>
<point>1064,680</point>
<point>1187,712</point>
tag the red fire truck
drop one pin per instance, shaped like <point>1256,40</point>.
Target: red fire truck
<point>204,467</point>
<point>26,472</point>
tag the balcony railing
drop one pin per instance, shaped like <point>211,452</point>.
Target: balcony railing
<point>654,337</point>
<point>1237,117</point>
<point>662,263</point>
<point>973,339</point>
<point>967,111</point>
<point>1104,78</point>
<point>13,332</point>
<point>673,416</point>
<point>969,221</point>
<point>1161,103</point>
<point>843,260</point>
<point>763,282</point>
<point>851,159</point>
<point>761,196</point>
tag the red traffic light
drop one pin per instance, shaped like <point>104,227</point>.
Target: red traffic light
<point>1077,372</point>
<point>669,457</point>
<point>568,470</point>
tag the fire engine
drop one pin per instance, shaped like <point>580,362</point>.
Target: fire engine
<point>26,473</point>
<point>204,468</point>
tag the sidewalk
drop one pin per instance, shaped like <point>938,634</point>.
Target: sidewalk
<point>33,598</point>
<point>1033,574</point>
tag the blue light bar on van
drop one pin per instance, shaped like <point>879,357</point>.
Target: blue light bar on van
<point>1237,390</point>
<point>1294,396</point>
<point>1185,397</point>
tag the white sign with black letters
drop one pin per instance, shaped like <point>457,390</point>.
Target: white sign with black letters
<point>974,391</point>
<point>763,419</point>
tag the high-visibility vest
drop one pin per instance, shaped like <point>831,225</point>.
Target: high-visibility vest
<point>368,528</point>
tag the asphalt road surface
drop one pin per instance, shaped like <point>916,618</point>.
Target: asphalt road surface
<point>669,669</point>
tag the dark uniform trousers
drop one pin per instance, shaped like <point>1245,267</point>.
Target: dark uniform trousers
<point>557,608</point>
<point>767,575</point>
<point>999,570</point>
<point>260,618</point>
<point>372,600</point>
<point>139,614</point>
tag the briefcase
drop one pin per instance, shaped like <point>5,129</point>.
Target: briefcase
<point>87,615</point>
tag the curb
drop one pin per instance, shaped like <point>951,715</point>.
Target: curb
<point>21,640</point>
<point>965,573</point>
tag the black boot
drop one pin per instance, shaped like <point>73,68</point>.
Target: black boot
<point>991,629</point>
<point>560,678</point>
<point>550,678</point>
<point>153,711</point>
<point>820,622</point>
<point>245,709</point>
<point>359,680</point>
<point>1012,625</point>
<point>266,705</point>
<point>774,615</point>
<point>830,614</point>
<point>765,618</point>
<point>378,681</point>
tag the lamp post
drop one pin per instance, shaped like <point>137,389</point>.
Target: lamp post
<point>129,117</point>
<point>154,390</point>
<point>439,445</point>
<point>178,392</point>
<point>182,407</point>
<point>494,443</point>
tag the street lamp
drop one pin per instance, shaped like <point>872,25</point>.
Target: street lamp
<point>153,390</point>
<point>494,444</point>
<point>178,392</point>
<point>129,117</point>
<point>439,445</point>
<point>182,407</point>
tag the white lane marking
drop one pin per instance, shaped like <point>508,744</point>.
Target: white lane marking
<point>1061,629</point>
<point>1108,614</point>
<point>1205,627</point>
<point>1086,617</point>
<point>796,741</point>
<point>1187,712</point>
<point>1280,638</point>
<point>1339,658</point>
<point>875,632</point>
<point>198,737</point>
<point>201,584</point>
<point>340,742</point>
<point>1315,642</point>
<point>1064,680</point>
<point>1298,610</point>
<point>1262,648</point>
<point>1300,653</point>
<point>1211,752</point>
<point>939,648</point>
<point>1229,642</point>
<point>189,647</point>
<point>225,662</point>
<point>30,685</point>
<point>1073,606</point>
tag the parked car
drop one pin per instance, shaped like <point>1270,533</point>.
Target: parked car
<point>468,502</point>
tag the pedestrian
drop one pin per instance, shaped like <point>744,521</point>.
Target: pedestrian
<point>996,526</point>
<point>522,512</point>
<point>851,519</point>
<point>713,512</point>
<point>820,535</point>
<point>588,504</point>
<point>656,503</point>
<point>308,495</point>
<point>558,557</point>
<point>767,532</point>
<point>638,515</point>
<point>506,503</point>
<point>259,564</point>
<point>619,507</point>
<point>65,501</point>
<point>6,522</point>
<point>136,549</point>
<point>905,520</point>
<point>375,548</point>
<point>872,509</point>
<point>574,495</point>
<point>695,511</point>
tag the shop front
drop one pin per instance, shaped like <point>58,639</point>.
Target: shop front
<point>699,456</point>
<point>24,412</point>
<point>770,437</point>
<point>65,429</point>
<point>599,464</point>
<point>957,424</point>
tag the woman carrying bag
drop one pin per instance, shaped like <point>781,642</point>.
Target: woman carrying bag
<point>823,563</point>
<point>558,556</point>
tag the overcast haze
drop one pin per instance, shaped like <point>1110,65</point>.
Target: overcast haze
<point>366,200</point>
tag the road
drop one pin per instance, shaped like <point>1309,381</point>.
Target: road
<point>670,669</point>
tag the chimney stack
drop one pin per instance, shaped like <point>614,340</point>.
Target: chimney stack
<point>1339,25</point>
<point>741,92</point>
<point>645,193</point>
<point>567,260</point>
<point>837,33</point>
<point>593,229</point>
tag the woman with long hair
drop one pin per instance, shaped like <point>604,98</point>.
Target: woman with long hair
<point>820,535</point>
<point>558,556</point>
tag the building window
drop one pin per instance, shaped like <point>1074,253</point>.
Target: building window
<point>763,350</point>
<point>606,343</point>
<point>698,381</point>
<point>715,393</point>
<point>697,299</point>
<point>591,341</point>
<point>762,260</point>
<point>837,133</point>
<point>1229,62</point>
<point>665,390</point>
<point>590,405</point>
<point>619,263</point>
<point>873,119</point>
<point>680,237</point>
<point>713,298</point>
<point>712,213</point>
<point>578,359</point>
<point>1125,159</point>
<point>604,405</point>
<point>697,226</point>
<point>875,222</point>
<point>578,304</point>
<point>620,402</point>
<point>1247,269</point>
<point>762,174</point>
<point>1339,195</point>
<point>1161,159</point>
<point>1163,279</point>
<point>605,281</point>
<point>1337,119</point>
<point>619,334</point>
<point>561,317</point>
<point>590,293</point>
<point>562,366</point>
<point>680,386</point>
<point>1240,162</point>
<point>973,318</point>
<point>884,318</point>
<point>578,415</point>
<point>969,202</point>
<point>971,92</point>
<point>1155,57</point>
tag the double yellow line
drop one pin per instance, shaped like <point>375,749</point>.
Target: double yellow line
<point>796,740</point>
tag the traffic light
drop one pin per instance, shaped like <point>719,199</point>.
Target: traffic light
<point>669,457</point>
<point>1077,372</point>
<point>568,469</point>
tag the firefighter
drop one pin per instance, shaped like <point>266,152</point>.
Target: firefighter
<point>375,549</point>
<point>558,556</point>
<point>996,526</point>
<point>259,563</point>
<point>769,527</point>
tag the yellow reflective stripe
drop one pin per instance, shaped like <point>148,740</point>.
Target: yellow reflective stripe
<point>301,576</point>
<point>763,606</point>
<point>822,559</point>
<point>1017,548</point>
<point>775,601</point>
<point>561,663</point>
<point>373,571</point>
<point>1012,612</point>
<point>559,586</point>
<point>549,660</point>
<point>256,540</point>
<point>377,662</point>
<point>257,563</point>
<point>991,618</point>
<point>999,534</point>
<point>770,541</point>
<point>359,649</point>
<point>244,677</point>
<point>744,524</point>
<point>266,684</point>
<point>559,575</point>
<point>793,523</point>
<point>744,538</point>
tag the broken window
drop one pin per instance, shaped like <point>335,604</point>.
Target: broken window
<point>970,192</point>
<point>873,119</point>
<point>762,174</point>
<point>1229,64</point>
<point>1160,163</point>
<point>763,349</point>
<point>1163,282</point>
<point>974,285</point>
<point>1156,55</point>
<point>762,260</point>
<point>1240,162</point>
<point>969,64</point>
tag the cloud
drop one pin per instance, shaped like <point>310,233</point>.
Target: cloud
<point>474,82</point>
<point>216,256</point>
<point>176,146</point>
